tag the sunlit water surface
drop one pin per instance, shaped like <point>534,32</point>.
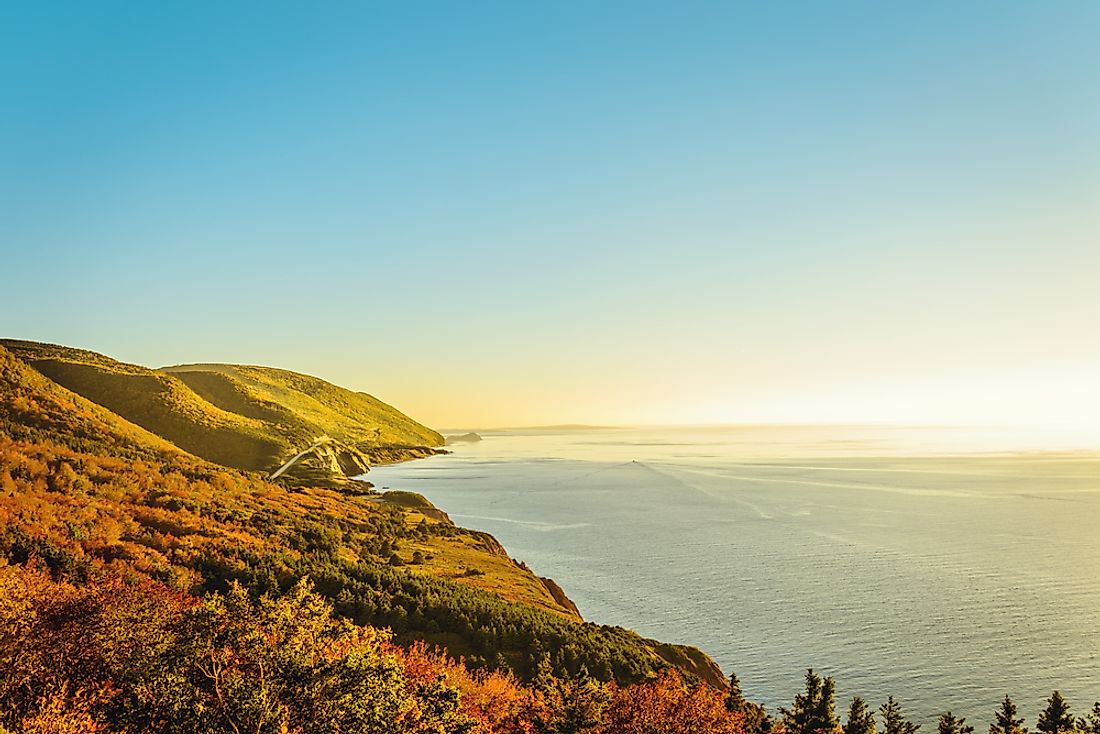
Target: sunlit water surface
<point>944,567</point>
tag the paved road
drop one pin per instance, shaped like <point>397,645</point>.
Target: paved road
<point>317,442</point>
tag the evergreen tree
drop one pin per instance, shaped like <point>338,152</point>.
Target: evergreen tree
<point>735,699</point>
<point>950,724</point>
<point>893,721</point>
<point>1056,718</point>
<point>575,706</point>
<point>861,720</point>
<point>1090,725</point>
<point>543,677</point>
<point>755,719</point>
<point>1006,721</point>
<point>813,712</point>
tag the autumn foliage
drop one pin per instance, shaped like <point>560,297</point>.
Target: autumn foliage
<point>145,590</point>
<point>116,655</point>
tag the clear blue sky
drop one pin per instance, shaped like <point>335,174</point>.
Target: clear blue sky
<point>493,213</point>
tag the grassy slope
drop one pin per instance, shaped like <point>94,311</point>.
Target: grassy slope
<point>245,417</point>
<point>353,417</point>
<point>160,403</point>
<point>34,408</point>
<point>475,559</point>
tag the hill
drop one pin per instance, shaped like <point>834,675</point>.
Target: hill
<point>469,437</point>
<point>276,395</point>
<point>33,408</point>
<point>252,418</point>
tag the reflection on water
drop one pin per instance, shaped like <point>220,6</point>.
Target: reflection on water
<point>931,564</point>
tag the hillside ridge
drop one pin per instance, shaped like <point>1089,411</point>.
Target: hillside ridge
<point>245,417</point>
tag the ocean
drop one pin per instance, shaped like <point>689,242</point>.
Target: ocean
<point>945,567</point>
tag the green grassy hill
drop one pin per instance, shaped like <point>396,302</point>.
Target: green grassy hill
<point>251,418</point>
<point>266,393</point>
<point>36,409</point>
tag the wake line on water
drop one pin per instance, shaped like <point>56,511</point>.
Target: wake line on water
<point>871,469</point>
<point>918,491</point>
<point>926,492</point>
<point>709,494</point>
<point>534,524</point>
<point>576,477</point>
<point>669,477</point>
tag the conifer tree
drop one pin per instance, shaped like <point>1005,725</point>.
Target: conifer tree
<point>861,720</point>
<point>576,706</point>
<point>813,712</point>
<point>1055,718</point>
<point>735,699</point>
<point>1006,721</point>
<point>893,721</point>
<point>755,719</point>
<point>951,724</point>
<point>1091,724</point>
<point>543,678</point>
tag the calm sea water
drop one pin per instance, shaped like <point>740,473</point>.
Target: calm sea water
<point>944,567</point>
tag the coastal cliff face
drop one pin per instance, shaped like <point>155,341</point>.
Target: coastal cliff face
<point>692,661</point>
<point>380,455</point>
<point>559,595</point>
<point>115,461</point>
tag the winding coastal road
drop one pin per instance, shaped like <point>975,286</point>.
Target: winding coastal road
<point>316,442</point>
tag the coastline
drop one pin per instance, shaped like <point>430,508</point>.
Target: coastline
<point>679,535</point>
<point>686,658</point>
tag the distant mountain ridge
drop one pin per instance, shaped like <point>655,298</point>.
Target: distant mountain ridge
<point>245,417</point>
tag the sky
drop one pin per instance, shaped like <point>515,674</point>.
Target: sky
<point>494,214</point>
